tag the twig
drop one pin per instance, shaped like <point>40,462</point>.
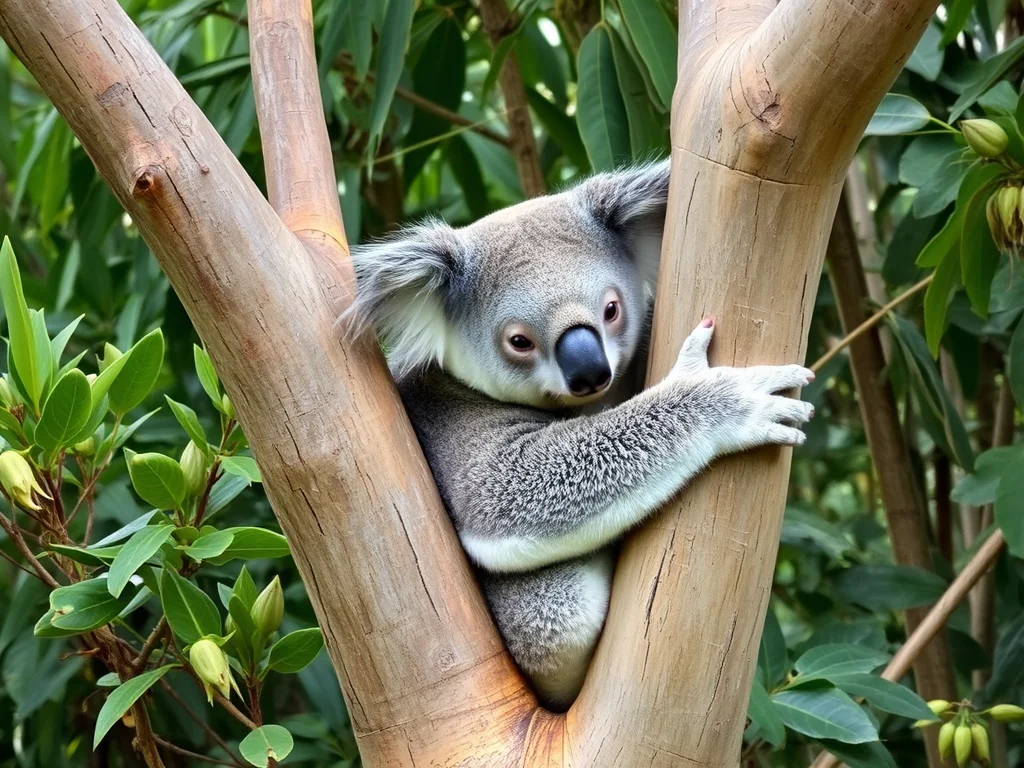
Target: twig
<point>452,117</point>
<point>186,753</point>
<point>214,736</point>
<point>14,533</point>
<point>936,619</point>
<point>149,645</point>
<point>870,323</point>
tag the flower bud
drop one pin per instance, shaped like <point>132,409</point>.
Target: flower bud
<point>18,480</point>
<point>979,743</point>
<point>1006,713</point>
<point>962,740</point>
<point>193,465</point>
<point>211,665</point>
<point>985,137</point>
<point>110,355</point>
<point>946,733</point>
<point>995,222</point>
<point>226,405</point>
<point>1007,199</point>
<point>90,377</point>
<point>85,448</point>
<point>268,610</point>
<point>938,706</point>
<point>6,393</point>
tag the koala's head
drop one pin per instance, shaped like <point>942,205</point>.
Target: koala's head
<point>542,303</point>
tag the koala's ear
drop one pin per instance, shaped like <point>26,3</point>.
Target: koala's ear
<point>629,198</point>
<point>405,283</point>
<point>631,202</point>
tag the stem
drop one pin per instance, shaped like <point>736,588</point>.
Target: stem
<point>14,533</point>
<point>214,736</point>
<point>870,323</point>
<point>193,755</point>
<point>149,645</point>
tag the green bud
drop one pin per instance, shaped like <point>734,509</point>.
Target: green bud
<point>995,222</point>
<point>193,465</point>
<point>979,743</point>
<point>946,733</point>
<point>985,137</point>
<point>225,403</point>
<point>211,665</point>
<point>6,393</point>
<point>1006,713</point>
<point>1007,199</point>
<point>110,354</point>
<point>962,740</point>
<point>938,706</point>
<point>86,447</point>
<point>268,610</point>
<point>18,480</point>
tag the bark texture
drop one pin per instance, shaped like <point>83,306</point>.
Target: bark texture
<point>771,103</point>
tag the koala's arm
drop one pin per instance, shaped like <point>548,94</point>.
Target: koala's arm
<point>543,493</point>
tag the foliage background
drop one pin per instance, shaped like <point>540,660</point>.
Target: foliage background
<point>598,81</point>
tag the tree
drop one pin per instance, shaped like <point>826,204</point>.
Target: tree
<point>762,142</point>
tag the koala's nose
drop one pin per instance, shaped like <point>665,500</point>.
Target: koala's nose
<point>580,355</point>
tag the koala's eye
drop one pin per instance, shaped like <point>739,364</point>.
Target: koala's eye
<point>611,312</point>
<point>520,343</point>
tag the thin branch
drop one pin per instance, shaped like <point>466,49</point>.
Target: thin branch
<point>452,117</point>
<point>193,755</point>
<point>936,619</point>
<point>498,22</point>
<point>870,323</point>
<point>14,533</point>
<point>149,645</point>
<point>203,725</point>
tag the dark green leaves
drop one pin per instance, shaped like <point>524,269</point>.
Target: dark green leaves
<point>987,76</point>
<point>600,111</point>
<point>897,114</point>
<point>394,40</point>
<point>825,714</point>
<point>190,611</point>
<point>66,412</point>
<point>826,661</point>
<point>271,742</point>
<point>139,374</point>
<point>655,38</point>
<point>889,587</point>
<point>762,710</point>
<point>83,607</point>
<point>295,650</point>
<point>252,544</point>
<point>1009,504</point>
<point>123,697</point>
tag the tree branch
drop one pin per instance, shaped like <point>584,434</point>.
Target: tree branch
<point>499,23</point>
<point>905,510</point>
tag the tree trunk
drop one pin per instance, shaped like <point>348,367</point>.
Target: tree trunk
<point>771,103</point>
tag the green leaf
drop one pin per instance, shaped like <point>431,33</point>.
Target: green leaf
<point>190,611</point>
<point>60,341</point>
<point>980,487</point>
<point>772,657</point>
<point>501,52</point>
<point>1015,367</point>
<point>600,111</point>
<point>247,640</point>
<point>937,298</point>
<point>655,39</point>
<point>207,374</point>
<point>884,695</point>
<point>647,130</point>
<point>988,75</point>
<point>66,412</point>
<point>245,589</point>
<point>123,533</point>
<point>136,551</point>
<point>897,114</point>
<point>123,697</point>
<point>19,326</point>
<point>958,11</point>
<point>1009,514</point>
<point>99,388</point>
<point>762,711</point>
<point>296,650</point>
<point>348,29</point>
<point>139,374</point>
<point>101,556</point>
<point>562,129</point>
<point>394,39</point>
<point>270,742</point>
<point>209,545</point>
<point>158,479</point>
<point>925,154</point>
<point>225,490</point>
<point>928,55</point>
<point>979,257</point>
<point>190,423</point>
<point>466,169</point>
<point>242,466</point>
<point>85,606</point>
<point>889,587</point>
<point>872,755</point>
<point>825,714</point>
<point>826,661</point>
<point>253,544</point>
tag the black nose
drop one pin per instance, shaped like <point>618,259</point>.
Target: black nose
<point>580,355</point>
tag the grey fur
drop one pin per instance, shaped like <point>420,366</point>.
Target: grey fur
<point>537,484</point>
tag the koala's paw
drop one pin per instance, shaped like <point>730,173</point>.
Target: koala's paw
<point>750,411</point>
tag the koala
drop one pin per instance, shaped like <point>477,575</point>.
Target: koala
<point>518,344</point>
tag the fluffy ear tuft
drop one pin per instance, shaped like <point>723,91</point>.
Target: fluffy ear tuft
<point>405,282</point>
<point>631,202</point>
